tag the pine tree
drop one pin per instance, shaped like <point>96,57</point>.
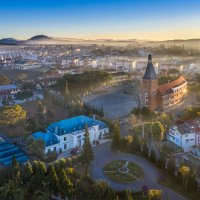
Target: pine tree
<point>27,173</point>
<point>15,169</point>
<point>171,167</point>
<point>87,154</point>
<point>128,195</point>
<point>115,145</point>
<point>152,157</point>
<point>36,181</point>
<point>52,179</point>
<point>66,90</point>
<point>42,169</point>
<point>63,163</point>
<point>161,161</point>
<point>65,185</point>
<point>145,151</point>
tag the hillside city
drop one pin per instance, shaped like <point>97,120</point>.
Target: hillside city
<point>125,102</point>
<point>103,119</point>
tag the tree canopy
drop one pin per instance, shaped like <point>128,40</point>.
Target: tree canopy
<point>157,131</point>
<point>4,80</point>
<point>87,154</point>
<point>116,138</point>
<point>12,115</point>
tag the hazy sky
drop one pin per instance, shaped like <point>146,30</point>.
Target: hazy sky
<point>116,19</point>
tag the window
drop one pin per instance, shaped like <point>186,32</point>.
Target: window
<point>54,148</point>
<point>65,138</point>
<point>65,146</point>
<point>49,150</point>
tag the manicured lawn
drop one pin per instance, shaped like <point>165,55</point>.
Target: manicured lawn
<point>131,173</point>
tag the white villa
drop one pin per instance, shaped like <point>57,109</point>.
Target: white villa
<point>70,133</point>
<point>183,135</point>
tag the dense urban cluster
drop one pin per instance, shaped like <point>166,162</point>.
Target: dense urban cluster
<point>74,114</point>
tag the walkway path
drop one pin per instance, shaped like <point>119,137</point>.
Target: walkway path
<point>103,154</point>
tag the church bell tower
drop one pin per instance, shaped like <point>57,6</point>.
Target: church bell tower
<point>150,85</point>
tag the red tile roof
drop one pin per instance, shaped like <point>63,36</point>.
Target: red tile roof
<point>166,88</point>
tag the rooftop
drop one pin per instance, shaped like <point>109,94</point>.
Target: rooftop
<point>48,137</point>
<point>150,73</point>
<point>8,87</point>
<point>167,87</point>
<point>190,126</point>
<point>74,124</point>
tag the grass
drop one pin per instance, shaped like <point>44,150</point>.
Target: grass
<point>111,170</point>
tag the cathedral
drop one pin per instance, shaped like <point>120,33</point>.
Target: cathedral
<point>165,96</point>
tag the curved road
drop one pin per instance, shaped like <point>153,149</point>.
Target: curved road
<point>103,154</point>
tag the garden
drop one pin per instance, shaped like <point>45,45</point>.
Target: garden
<point>123,171</point>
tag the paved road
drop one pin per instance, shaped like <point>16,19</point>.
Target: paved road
<point>103,154</point>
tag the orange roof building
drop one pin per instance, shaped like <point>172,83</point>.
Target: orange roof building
<point>165,96</point>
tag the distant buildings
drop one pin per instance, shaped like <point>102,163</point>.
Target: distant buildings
<point>8,90</point>
<point>26,65</point>
<point>70,133</point>
<point>165,96</point>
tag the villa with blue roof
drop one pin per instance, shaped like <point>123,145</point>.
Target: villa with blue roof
<point>70,133</point>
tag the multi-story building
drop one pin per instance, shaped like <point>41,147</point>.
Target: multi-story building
<point>70,133</point>
<point>164,96</point>
<point>172,93</point>
<point>8,90</point>
<point>186,135</point>
<point>183,136</point>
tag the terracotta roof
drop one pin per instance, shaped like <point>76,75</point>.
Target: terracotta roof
<point>167,87</point>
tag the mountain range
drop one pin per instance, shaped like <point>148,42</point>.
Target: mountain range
<point>43,39</point>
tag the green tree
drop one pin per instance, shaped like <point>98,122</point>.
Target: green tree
<point>36,147</point>
<point>11,191</point>
<point>66,90</point>
<point>161,161</point>
<point>100,190</point>
<point>5,102</point>
<point>36,178</point>
<point>115,145</point>
<point>42,169</point>
<point>157,131</point>
<point>128,195</point>
<point>12,115</point>
<point>63,163</point>
<point>192,182</point>
<point>4,80</point>
<point>145,151</point>
<point>152,157</point>
<point>184,172</point>
<point>65,185</point>
<point>40,195</point>
<point>31,125</point>
<point>15,170</point>
<point>171,167</point>
<point>52,179</point>
<point>27,174</point>
<point>136,144</point>
<point>22,76</point>
<point>41,107</point>
<point>87,154</point>
<point>154,194</point>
